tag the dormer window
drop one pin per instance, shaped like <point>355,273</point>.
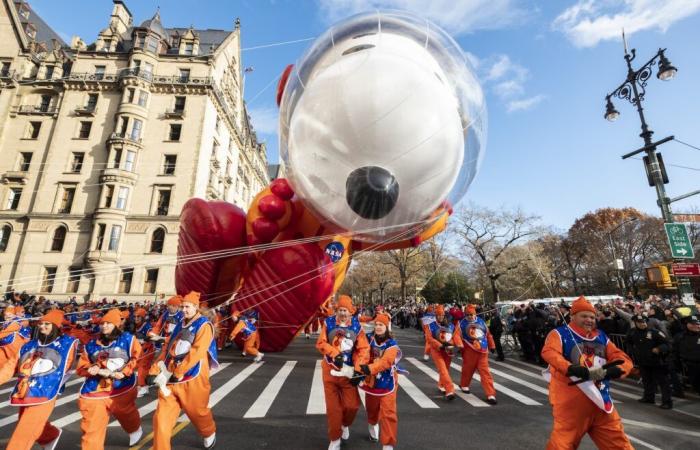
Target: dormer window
<point>140,40</point>
<point>152,45</point>
<point>107,45</point>
<point>189,48</point>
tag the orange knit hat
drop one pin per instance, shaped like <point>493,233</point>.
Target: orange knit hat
<point>581,304</point>
<point>55,316</point>
<point>345,302</point>
<point>175,300</point>
<point>113,316</point>
<point>382,318</point>
<point>471,309</point>
<point>440,310</point>
<point>192,297</point>
<point>140,312</point>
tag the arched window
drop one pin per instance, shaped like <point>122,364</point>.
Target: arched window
<point>4,237</point>
<point>157,240</point>
<point>59,237</point>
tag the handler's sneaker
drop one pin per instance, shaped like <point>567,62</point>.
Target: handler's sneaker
<point>346,433</point>
<point>387,447</point>
<point>259,357</point>
<point>135,437</point>
<point>209,442</point>
<point>308,336</point>
<point>243,353</point>
<point>143,390</point>
<point>441,389</point>
<point>52,445</point>
<point>449,397</point>
<point>334,445</point>
<point>465,389</point>
<point>373,432</point>
<point>426,357</point>
<point>491,400</point>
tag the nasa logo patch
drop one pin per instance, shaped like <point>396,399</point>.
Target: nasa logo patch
<point>335,250</point>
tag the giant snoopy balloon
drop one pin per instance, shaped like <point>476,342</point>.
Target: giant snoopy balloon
<point>382,128</point>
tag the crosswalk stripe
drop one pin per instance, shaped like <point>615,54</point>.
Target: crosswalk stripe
<point>416,394</point>
<point>317,399</point>
<point>268,395</point>
<point>69,384</point>
<point>474,401</point>
<point>642,443</point>
<point>151,406</point>
<point>532,386</point>
<point>13,418</point>
<point>362,397</point>
<point>507,391</point>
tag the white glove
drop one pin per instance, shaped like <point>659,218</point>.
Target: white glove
<point>162,378</point>
<point>596,373</point>
<point>347,371</point>
<point>346,345</point>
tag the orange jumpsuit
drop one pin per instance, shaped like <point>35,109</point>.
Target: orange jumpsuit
<point>33,424</point>
<point>251,343</point>
<point>476,358</point>
<point>96,411</point>
<point>342,398</point>
<point>574,413</point>
<point>191,396</point>
<point>381,409</point>
<point>10,353</point>
<point>443,359</point>
<point>144,361</point>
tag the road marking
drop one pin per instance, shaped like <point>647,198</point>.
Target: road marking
<point>472,400</point>
<point>13,418</point>
<point>264,401</point>
<point>642,443</point>
<point>416,394</point>
<point>362,397</point>
<point>636,423</point>
<point>151,406</point>
<point>317,399</point>
<point>507,391</point>
<point>69,384</point>
<point>515,379</point>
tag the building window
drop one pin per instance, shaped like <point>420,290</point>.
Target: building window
<point>130,93</point>
<point>189,48</point>
<point>106,45</point>
<point>175,131</point>
<point>143,98</point>
<point>49,72</point>
<point>136,130</point>
<point>114,237</point>
<point>5,237</point>
<point>85,128</point>
<point>184,75</point>
<point>5,69</point>
<point>67,200</point>
<point>163,202</point>
<point>33,130</point>
<point>101,229</point>
<point>123,128</point>
<point>169,163</point>
<point>217,127</point>
<point>73,279</point>
<point>149,285</point>
<point>125,280</point>
<point>157,240</point>
<point>25,159</point>
<point>99,72</point>
<point>45,103</point>
<point>92,102</point>
<point>123,195</point>
<point>59,237</point>
<point>140,40</point>
<point>48,279</point>
<point>180,104</point>
<point>109,194</point>
<point>76,164</point>
<point>129,162</point>
<point>152,45</point>
<point>13,198</point>
<point>117,158</point>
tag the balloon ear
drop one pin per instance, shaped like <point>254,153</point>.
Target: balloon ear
<point>283,82</point>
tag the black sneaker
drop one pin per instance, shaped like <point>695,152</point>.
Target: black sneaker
<point>491,401</point>
<point>450,397</point>
<point>666,406</point>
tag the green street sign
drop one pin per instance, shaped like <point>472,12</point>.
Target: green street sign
<point>679,241</point>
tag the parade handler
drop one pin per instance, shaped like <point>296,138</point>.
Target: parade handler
<point>579,388</point>
<point>42,371</point>
<point>477,343</point>
<point>381,384</point>
<point>109,364</point>
<point>184,367</point>
<point>13,336</point>
<point>344,346</point>
<point>250,335</point>
<point>442,339</point>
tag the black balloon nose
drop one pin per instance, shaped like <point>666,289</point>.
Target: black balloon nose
<point>371,192</point>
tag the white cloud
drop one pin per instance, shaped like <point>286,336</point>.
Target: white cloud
<point>264,120</point>
<point>506,77</point>
<point>589,22</point>
<point>457,17</point>
<point>524,104</point>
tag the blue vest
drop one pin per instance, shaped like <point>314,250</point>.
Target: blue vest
<point>181,342</point>
<point>143,330</point>
<point>335,331</point>
<point>248,329</point>
<point>113,357</point>
<point>475,334</point>
<point>42,371</point>
<point>25,332</point>
<point>592,353</point>
<point>436,329</point>
<point>384,382</point>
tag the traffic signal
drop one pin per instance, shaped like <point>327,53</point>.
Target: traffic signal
<point>660,275</point>
<point>662,168</point>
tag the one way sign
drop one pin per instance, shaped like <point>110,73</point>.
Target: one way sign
<point>679,241</point>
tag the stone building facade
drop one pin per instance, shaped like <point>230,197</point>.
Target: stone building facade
<point>101,144</point>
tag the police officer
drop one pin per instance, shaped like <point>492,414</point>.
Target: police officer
<point>649,349</point>
<point>686,350</point>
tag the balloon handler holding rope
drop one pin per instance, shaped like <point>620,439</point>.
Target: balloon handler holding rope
<point>382,126</point>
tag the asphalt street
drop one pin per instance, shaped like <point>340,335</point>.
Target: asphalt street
<point>278,404</point>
